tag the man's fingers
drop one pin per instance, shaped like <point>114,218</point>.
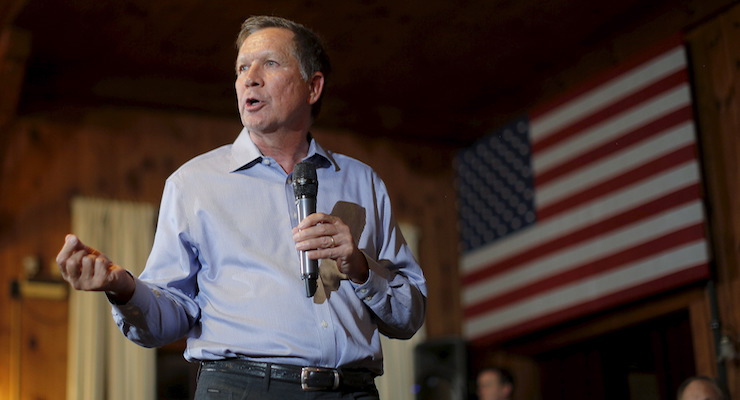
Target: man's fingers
<point>79,264</point>
<point>101,271</point>
<point>84,267</point>
<point>90,250</point>
<point>75,241</point>
<point>70,244</point>
<point>315,219</point>
<point>76,260</point>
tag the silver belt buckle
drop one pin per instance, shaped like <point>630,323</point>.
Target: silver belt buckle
<point>306,372</point>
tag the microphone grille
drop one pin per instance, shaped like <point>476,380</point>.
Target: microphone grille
<point>305,182</point>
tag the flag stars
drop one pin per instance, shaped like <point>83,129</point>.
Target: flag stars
<point>495,186</point>
<point>516,223</point>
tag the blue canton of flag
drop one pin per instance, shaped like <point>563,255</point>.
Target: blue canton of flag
<point>495,186</point>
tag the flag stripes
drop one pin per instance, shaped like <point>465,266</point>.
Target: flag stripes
<point>617,196</point>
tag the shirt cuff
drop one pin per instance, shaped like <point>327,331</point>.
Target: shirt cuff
<point>137,301</point>
<point>375,284</point>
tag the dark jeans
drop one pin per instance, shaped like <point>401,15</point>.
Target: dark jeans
<point>231,385</point>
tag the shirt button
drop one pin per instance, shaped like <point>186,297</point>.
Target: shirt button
<point>324,324</point>
<point>265,161</point>
<point>363,291</point>
<point>368,298</point>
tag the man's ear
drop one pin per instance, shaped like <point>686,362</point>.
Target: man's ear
<point>315,87</point>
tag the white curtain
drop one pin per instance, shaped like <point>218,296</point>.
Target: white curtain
<point>397,381</point>
<point>102,363</point>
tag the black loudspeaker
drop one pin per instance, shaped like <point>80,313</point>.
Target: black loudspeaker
<point>441,369</point>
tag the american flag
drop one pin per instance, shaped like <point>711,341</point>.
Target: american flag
<point>591,202</point>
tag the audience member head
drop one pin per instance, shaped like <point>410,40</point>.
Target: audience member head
<point>700,388</point>
<point>495,383</point>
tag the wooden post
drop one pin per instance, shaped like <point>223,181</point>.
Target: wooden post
<point>716,64</point>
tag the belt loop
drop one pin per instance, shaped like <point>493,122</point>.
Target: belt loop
<point>268,377</point>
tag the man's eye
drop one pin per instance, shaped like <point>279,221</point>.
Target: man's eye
<point>271,63</point>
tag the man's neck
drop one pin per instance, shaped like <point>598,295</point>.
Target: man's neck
<point>286,148</point>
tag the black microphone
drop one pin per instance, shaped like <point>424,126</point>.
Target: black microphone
<point>305,187</point>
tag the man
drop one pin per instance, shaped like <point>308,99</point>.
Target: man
<point>700,388</point>
<point>224,269</point>
<point>495,383</point>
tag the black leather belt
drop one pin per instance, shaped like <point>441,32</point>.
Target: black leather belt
<point>310,378</point>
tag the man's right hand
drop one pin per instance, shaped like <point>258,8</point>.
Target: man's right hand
<point>87,269</point>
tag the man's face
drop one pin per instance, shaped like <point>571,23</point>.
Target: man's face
<point>491,388</point>
<point>271,93</point>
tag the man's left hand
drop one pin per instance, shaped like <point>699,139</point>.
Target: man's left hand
<point>326,236</point>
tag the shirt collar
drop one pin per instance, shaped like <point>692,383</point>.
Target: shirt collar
<point>245,154</point>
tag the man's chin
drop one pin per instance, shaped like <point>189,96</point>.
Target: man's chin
<point>259,128</point>
<point>251,124</point>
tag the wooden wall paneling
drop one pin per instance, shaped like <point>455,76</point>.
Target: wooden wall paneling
<point>604,323</point>
<point>9,9</point>
<point>702,336</point>
<point>15,47</point>
<point>43,352</point>
<point>14,51</point>
<point>10,342</point>
<point>715,49</point>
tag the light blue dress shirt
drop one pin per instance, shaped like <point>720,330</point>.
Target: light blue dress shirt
<point>224,270</point>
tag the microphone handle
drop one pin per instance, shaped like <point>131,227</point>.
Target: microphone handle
<point>309,268</point>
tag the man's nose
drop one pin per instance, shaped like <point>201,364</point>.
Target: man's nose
<point>253,77</point>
